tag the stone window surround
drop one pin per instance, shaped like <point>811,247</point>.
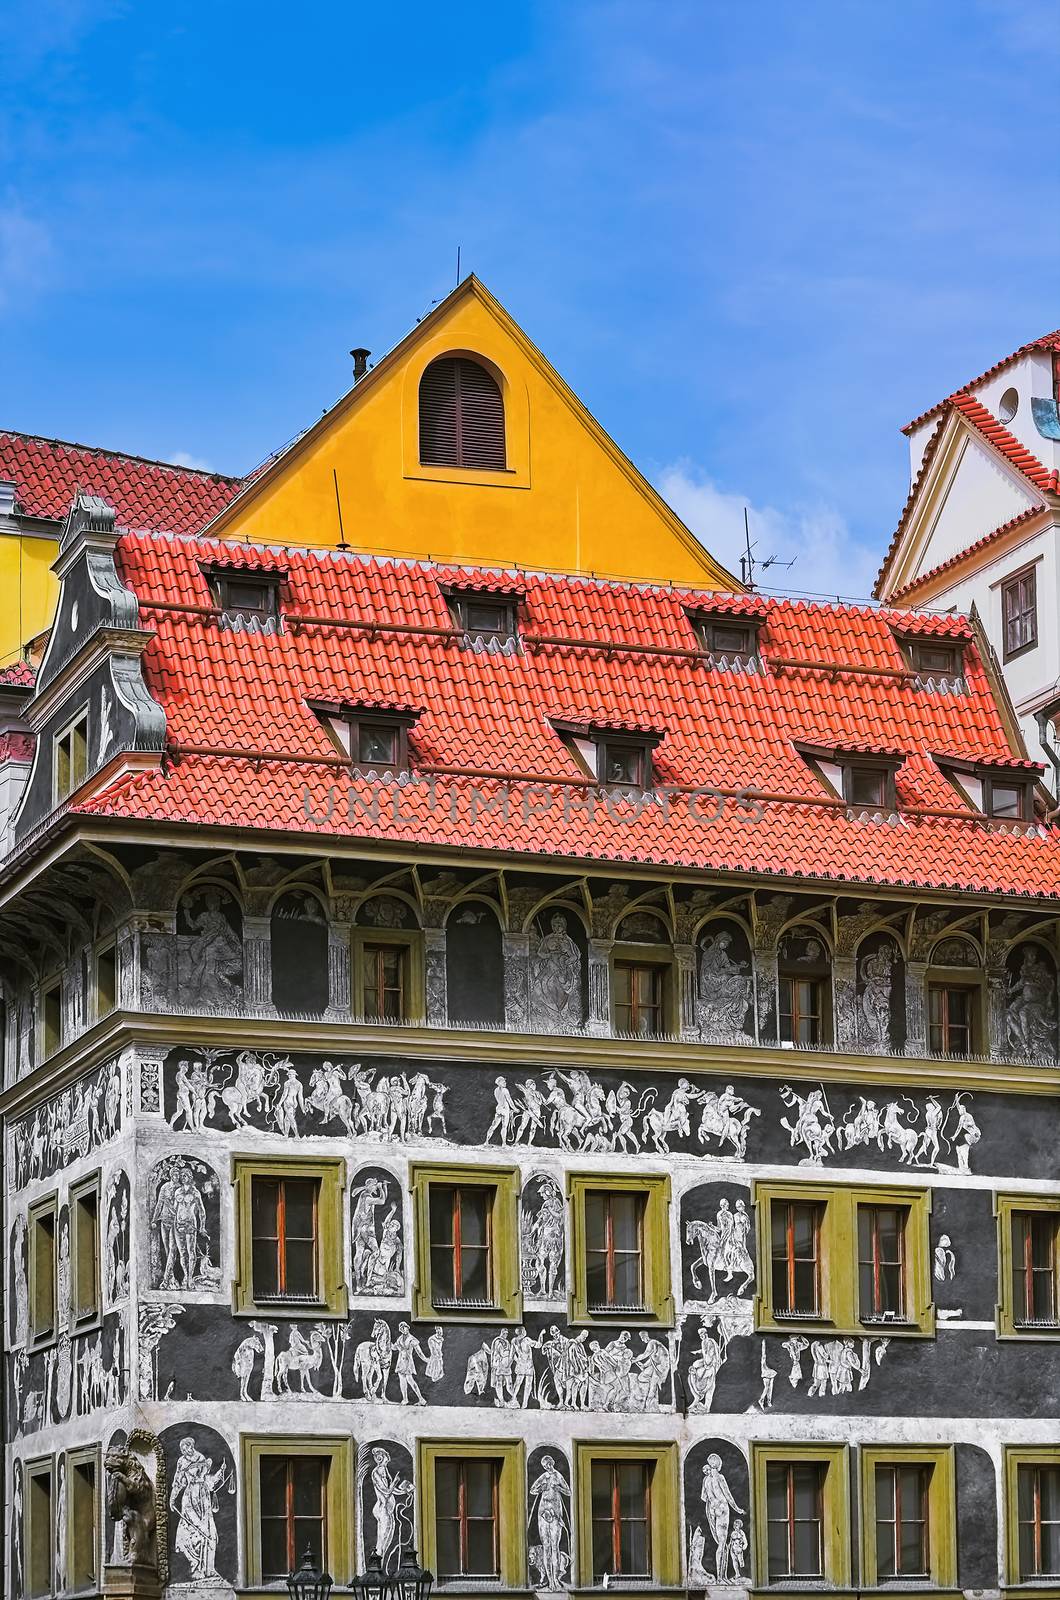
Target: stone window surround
<point>1016,1456</point>
<point>511,1453</point>
<point>835,1458</point>
<point>665,1514</point>
<point>340,1497</point>
<point>941,1510</point>
<point>658,1289</point>
<point>505,1182</point>
<point>1005,1206</point>
<point>331,1225</point>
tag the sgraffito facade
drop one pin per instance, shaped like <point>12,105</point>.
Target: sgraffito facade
<point>587,1223</point>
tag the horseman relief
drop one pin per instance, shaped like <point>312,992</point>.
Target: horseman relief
<point>936,1135</point>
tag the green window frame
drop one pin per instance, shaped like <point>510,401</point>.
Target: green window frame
<point>330,1174</point>
<point>503,1185</point>
<point>51,1018</point>
<point>85,1276</point>
<point>656,961</point>
<point>941,1512</point>
<point>82,1518</point>
<point>1011,1320</point>
<point>339,1496</point>
<point>38,1526</point>
<point>841,1307</point>
<point>408,941</point>
<point>510,1505</point>
<point>835,1509</point>
<point>655,1241</point>
<point>664,1502</point>
<point>70,756</point>
<point>1020,1459</point>
<point>43,1234</point>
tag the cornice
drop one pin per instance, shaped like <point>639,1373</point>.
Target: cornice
<point>104,642</point>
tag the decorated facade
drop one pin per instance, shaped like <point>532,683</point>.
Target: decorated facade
<point>559,1074</point>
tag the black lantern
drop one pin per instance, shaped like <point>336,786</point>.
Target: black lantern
<point>411,1581</point>
<point>372,1583</point>
<point>309,1582</point>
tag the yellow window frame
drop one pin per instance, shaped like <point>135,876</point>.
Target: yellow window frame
<point>411,941</point>
<point>36,1540</point>
<point>835,1513</point>
<point>1005,1205</point>
<point>89,1455</point>
<point>87,1188</point>
<point>507,1288</point>
<point>658,1284</point>
<point>340,1546</point>
<point>942,1512</point>
<point>838,1243</point>
<point>511,1505</point>
<point>1016,1456</point>
<point>665,1512</point>
<point>48,1207</point>
<point>331,1255</point>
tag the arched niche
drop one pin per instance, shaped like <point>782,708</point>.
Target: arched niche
<point>386,911</point>
<point>1031,1003</point>
<point>725,990</point>
<point>558,971</point>
<point>209,946</point>
<point>299,939</point>
<point>474,964</point>
<point>804,986</point>
<point>880,966</point>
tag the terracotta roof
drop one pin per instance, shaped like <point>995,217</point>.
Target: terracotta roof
<point>246,748</point>
<point>970,550</point>
<point>1048,341</point>
<point>19,676</point>
<point>155,495</point>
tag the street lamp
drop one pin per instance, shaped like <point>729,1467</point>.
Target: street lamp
<point>309,1582</point>
<point>372,1583</point>
<point>411,1581</point>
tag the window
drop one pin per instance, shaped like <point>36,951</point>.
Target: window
<point>467,1244</point>
<point>299,1493</point>
<point>374,739</point>
<point>868,786</point>
<point>802,1513</point>
<point>935,658</point>
<point>486,614</point>
<point>106,979</point>
<point>290,1233</point>
<point>801,1009</point>
<point>845,1259</point>
<point>70,756</point>
<point>908,1521</point>
<point>1028,1265</point>
<point>727,637</point>
<point>471,1513</point>
<point>620,1242</point>
<point>253,595</point>
<point>82,1516</point>
<point>1006,800</point>
<point>39,1513</point>
<point>627,1514</point>
<point>951,1019</point>
<point>84,1252</point>
<point>622,764</point>
<point>1019,613</point>
<point>997,792</point>
<point>795,1228</point>
<point>1032,1494</point>
<point>639,997</point>
<point>387,975</point>
<point>461,416</point>
<point>51,1018</point>
<point>860,778</point>
<point>42,1263</point>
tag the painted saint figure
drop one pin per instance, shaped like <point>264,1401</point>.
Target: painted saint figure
<point>725,988</point>
<point>555,978</point>
<point>193,1497</point>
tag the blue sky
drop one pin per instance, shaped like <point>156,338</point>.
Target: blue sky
<point>754,238</point>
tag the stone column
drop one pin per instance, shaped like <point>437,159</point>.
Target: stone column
<point>516,948</point>
<point>599,1018</point>
<point>127,963</point>
<point>845,992</point>
<point>916,1043</point>
<point>685,979</point>
<point>996,1013</point>
<point>435,981</point>
<point>765,962</point>
<point>257,966</point>
<point>340,992</point>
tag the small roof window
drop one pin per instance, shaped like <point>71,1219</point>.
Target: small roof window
<point>725,635</point>
<point>374,738</point>
<point>485,614</point>
<point>999,791</point>
<point>251,594</point>
<point>617,756</point>
<point>863,778</point>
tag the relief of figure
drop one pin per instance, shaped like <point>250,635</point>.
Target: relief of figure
<point>945,1263</point>
<point>391,1507</point>
<point>555,979</point>
<point>21,1277</point>
<point>874,971</point>
<point>769,1378</point>
<point>549,1496</point>
<point>703,1373</point>
<point>16,1531</point>
<point>303,1357</point>
<point>723,1247</point>
<point>60,1527</point>
<point>212,968</point>
<point>541,1238</point>
<point>131,1504</point>
<point>244,1360</point>
<point>62,1277</point>
<point>725,991</point>
<point>194,1498</point>
<point>812,1126</point>
<point>1031,1018</point>
<point>181,1245</point>
<point>718,1503</point>
<point>117,1251</point>
<point>378,1260</point>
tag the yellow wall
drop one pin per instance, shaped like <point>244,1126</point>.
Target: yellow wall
<point>28,591</point>
<point>570,500</point>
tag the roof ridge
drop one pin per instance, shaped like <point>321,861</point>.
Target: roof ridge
<point>120,455</point>
<point>979,544</point>
<point>1044,342</point>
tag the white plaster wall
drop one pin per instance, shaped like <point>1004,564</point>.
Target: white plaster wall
<point>1031,377</point>
<point>982,494</point>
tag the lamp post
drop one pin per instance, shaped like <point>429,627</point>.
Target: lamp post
<point>411,1581</point>
<point>309,1582</point>
<point>372,1583</point>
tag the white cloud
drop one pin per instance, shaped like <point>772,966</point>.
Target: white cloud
<point>828,559</point>
<point>183,458</point>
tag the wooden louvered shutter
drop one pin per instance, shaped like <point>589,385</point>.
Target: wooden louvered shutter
<point>461,416</point>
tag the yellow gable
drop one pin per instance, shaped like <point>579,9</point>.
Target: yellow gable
<point>567,499</point>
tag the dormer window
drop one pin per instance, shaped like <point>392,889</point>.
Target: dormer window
<point>248,593</point>
<point>863,780</point>
<point>622,765</point>
<point>730,638</point>
<point>486,614</point>
<point>375,739</point>
<point>618,758</point>
<point>935,658</point>
<point>1004,793</point>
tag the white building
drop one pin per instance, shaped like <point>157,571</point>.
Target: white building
<point>979,528</point>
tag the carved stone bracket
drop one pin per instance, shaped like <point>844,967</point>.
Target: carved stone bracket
<point>915,1018</point>
<point>770,915</point>
<point>765,971</point>
<point>845,988</point>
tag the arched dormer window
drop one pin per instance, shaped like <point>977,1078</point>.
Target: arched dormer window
<point>461,416</point>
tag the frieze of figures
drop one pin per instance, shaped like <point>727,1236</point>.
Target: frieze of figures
<point>74,1377</point>
<point>72,1123</point>
<point>939,1135</point>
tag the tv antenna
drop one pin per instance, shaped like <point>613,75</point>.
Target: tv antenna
<point>749,562</point>
<point>342,545</point>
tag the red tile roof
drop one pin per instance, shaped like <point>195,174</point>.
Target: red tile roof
<point>155,495</point>
<point>18,676</point>
<point>1048,341</point>
<point>246,749</point>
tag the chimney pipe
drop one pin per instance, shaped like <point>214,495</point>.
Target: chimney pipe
<point>360,362</point>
